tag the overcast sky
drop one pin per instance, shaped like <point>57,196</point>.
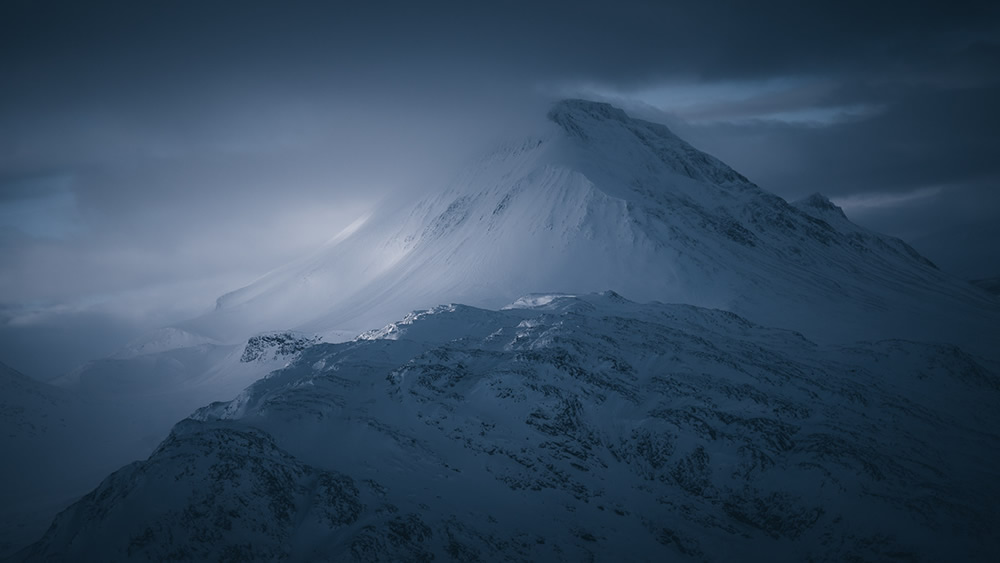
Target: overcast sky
<point>154,155</point>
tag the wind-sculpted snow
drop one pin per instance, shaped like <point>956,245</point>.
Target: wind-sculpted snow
<point>595,199</point>
<point>569,429</point>
<point>602,124</point>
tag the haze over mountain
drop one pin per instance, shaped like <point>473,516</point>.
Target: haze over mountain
<point>156,156</point>
<point>593,199</point>
<point>760,421</point>
<point>346,280</point>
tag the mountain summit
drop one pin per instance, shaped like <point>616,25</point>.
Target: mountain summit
<point>586,426</point>
<point>595,199</point>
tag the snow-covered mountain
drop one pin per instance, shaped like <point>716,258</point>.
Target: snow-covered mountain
<point>592,199</point>
<point>570,429</point>
<point>111,412</point>
<point>559,428</point>
<point>595,199</point>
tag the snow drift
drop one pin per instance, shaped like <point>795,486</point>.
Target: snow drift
<point>596,199</point>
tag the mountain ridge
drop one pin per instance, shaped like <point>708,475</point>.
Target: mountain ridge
<point>595,199</point>
<point>591,200</point>
<point>635,431</point>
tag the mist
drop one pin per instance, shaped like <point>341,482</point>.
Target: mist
<point>156,156</point>
<point>611,335</point>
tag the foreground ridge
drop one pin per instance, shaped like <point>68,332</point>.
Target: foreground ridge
<point>569,428</point>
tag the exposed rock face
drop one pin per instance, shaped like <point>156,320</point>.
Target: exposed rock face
<point>276,346</point>
<point>571,428</point>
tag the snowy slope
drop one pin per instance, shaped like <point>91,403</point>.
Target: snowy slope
<point>111,412</point>
<point>592,199</point>
<point>567,429</point>
<point>595,199</point>
<point>58,443</point>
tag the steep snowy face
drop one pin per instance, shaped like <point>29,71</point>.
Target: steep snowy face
<point>615,143</point>
<point>566,429</point>
<point>594,199</point>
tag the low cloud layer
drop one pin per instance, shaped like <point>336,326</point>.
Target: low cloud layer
<point>158,154</point>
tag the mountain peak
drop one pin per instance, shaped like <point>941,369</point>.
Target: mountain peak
<point>599,199</point>
<point>617,141</point>
<point>585,108</point>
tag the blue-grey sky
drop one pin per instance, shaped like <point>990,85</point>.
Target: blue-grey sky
<point>156,154</point>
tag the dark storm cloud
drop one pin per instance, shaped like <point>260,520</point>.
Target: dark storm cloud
<point>160,153</point>
<point>921,137</point>
<point>619,42</point>
<point>922,165</point>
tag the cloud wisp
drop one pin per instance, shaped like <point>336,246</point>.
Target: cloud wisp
<point>163,150</point>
